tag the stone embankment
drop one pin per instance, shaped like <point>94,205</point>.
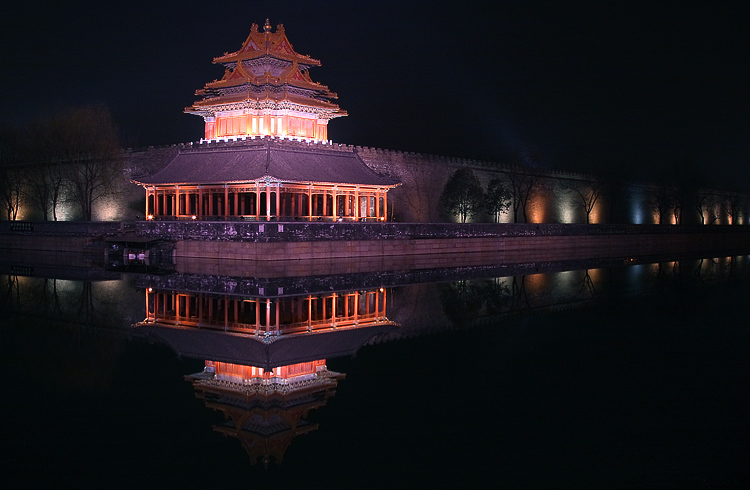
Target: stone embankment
<point>411,245</point>
<point>506,243</point>
<point>57,236</point>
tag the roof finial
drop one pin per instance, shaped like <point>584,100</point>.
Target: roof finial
<point>267,27</point>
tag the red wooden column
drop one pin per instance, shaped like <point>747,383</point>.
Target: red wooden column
<point>335,204</point>
<point>357,204</point>
<point>278,201</point>
<point>377,205</point>
<point>385,205</point>
<point>309,203</point>
<point>149,198</point>
<point>226,202</point>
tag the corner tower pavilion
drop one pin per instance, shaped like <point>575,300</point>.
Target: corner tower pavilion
<point>265,155</point>
<point>266,90</point>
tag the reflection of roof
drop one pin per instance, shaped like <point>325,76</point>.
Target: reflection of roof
<point>252,351</point>
<point>266,159</point>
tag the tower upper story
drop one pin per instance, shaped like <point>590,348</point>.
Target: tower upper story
<point>266,90</point>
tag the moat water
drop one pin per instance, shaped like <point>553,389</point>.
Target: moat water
<point>619,376</point>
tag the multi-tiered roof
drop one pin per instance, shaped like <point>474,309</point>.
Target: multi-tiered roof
<point>266,90</point>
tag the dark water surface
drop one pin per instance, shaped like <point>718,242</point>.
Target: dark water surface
<point>620,377</point>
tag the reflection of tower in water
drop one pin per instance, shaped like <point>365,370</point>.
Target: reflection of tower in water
<point>267,366</point>
<point>265,409</point>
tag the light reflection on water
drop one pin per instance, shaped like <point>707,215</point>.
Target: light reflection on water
<point>266,366</point>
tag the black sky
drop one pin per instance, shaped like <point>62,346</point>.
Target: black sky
<point>606,87</point>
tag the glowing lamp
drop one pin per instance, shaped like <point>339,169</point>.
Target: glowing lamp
<point>150,217</point>
<point>194,217</point>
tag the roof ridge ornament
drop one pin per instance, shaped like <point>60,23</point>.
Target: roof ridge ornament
<point>267,26</point>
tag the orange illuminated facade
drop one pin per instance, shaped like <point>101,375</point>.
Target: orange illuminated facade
<point>266,91</point>
<point>266,154</point>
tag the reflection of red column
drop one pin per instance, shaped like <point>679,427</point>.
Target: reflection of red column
<point>276,323</point>
<point>257,318</point>
<point>226,312</point>
<point>200,309</point>
<point>309,313</point>
<point>268,314</point>
<point>356,308</point>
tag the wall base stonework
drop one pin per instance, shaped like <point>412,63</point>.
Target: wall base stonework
<point>418,246</point>
<point>401,245</point>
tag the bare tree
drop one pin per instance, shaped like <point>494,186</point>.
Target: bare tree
<point>523,180</point>
<point>704,204</point>
<point>661,202</point>
<point>11,190</point>
<point>587,193</point>
<point>12,176</point>
<point>731,206</point>
<point>88,141</point>
<point>46,176</point>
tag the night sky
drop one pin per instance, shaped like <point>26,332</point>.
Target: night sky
<point>630,88</point>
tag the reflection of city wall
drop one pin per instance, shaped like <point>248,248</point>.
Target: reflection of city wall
<point>70,296</point>
<point>418,302</point>
<point>478,301</point>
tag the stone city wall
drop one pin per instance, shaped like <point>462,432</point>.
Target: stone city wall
<point>423,178</point>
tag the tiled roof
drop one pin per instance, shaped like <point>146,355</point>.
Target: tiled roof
<point>257,159</point>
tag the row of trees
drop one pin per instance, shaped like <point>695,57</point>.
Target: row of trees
<point>73,157</point>
<point>464,197</point>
